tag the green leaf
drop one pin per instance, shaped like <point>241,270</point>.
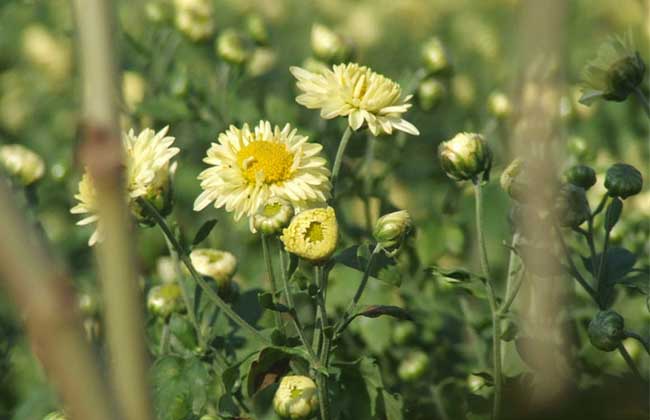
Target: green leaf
<point>357,257</point>
<point>374,311</point>
<point>460,278</point>
<point>270,364</point>
<point>165,108</point>
<point>267,302</point>
<point>203,232</point>
<point>638,281</point>
<point>180,387</point>
<point>613,213</point>
<point>380,399</point>
<point>618,263</point>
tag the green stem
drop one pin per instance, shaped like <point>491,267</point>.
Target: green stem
<point>574,270</point>
<point>230,313</point>
<point>644,342</point>
<point>321,281</point>
<point>629,361</point>
<point>343,144</point>
<point>492,299</point>
<point>439,402</point>
<point>164,338</point>
<point>603,258</point>
<point>367,180</point>
<point>269,272</point>
<point>513,281</point>
<point>642,100</point>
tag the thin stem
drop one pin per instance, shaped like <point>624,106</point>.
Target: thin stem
<point>629,361</point>
<point>600,206</point>
<point>603,258</point>
<point>269,272</point>
<point>642,100</point>
<point>164,338</point>
<point>439,402</point>
<point>511,297</point>
<point>589,236</point>
<point>230,313</point>
<point>574,270</point>
<point>343,144</point>
<point>492,299</point>
<point>324,354</point>
<point>513,269</point>
<point>367,180</point>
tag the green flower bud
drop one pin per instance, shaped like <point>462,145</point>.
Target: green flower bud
<point>430,92</point>
<point>21,163</point>
<point>256,29</point>
<point>581,176</point>
<point>165,299</point>
<point>273,216</point>
<point>232,47</point>
<point>296,398</point>
<point>466,157</point>
<point>219,265</point>
<point>571,206</point>
<point>413,366</point>
<point>391,228</point>
<point>261,61</point>
<point>499,105</point>
<point>475,383</point>
<point>434,56</point>
<point>328,45</point>
<point>403,332</point>
<point>512,179</point>
<point>55,415</point>
<point>623,180</point>
<point>606,330</point>
<point>195,18</point>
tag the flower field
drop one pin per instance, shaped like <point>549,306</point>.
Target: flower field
<point>328,209</point>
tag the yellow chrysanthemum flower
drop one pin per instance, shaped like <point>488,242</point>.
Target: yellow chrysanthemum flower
<point>251,167</point>
<point>356,92</point>
<point>148,171</point>
<point>312,234</point>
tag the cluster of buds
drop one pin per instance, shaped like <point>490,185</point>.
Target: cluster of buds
<point>296,397</point>
<point>21,164</point>
<point>466,157</point>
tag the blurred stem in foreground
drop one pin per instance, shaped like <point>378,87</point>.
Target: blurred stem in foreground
<point>102,154</point>
<point>185,259</point>
<point>43,298</point>
<point>492,299</point>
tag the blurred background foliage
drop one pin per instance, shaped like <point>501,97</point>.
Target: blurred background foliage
<point>171,78</point>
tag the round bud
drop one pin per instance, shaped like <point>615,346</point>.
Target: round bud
<point>606,330</point>
<point>256,29</point>
<point>261,61</point>
<point>623,180</point>
<point>218,265</point>
<point>466,157</point>
<point>328,45</point>
<point>296,397</point>
<point>272,217</point>
<point>312,234</point>
<point>413,366</point>
<point>475,383</point>
<point>390,229</point>
<point>403,332</point>
<point>581,176</point>
<point>512,179</point>
<point>430,92</point>
<point>499,105</point>
<point>231,47</point>
<point>195,18</point>
<point>571,206</point>
<point>165,299</point>
<point>434,56</point>
<point>21,163</point>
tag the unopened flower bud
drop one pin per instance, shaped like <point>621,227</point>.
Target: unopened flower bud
<point>475,383</point>
<point>434,56</point>
<point>261,61</point>
<point>413,366</point>
<point>166,269</point>
<point>21,163</point>
<point>256,29</point>
<point>581,176</point>
<point>499,105</point>
<point>623,180</point>
<point>571,206</point>
<point>195,18</point>
<point>218,265</point>
<point>312,234</point>
<point>328,45</point>
<point>165,299</point>
<point>606,330</point>
<point>430,92</point>
<point>512,179</point>
<point>390,229</point>
<point>231,47</point>
<point>50,53</point>
<point>133,89</point>
<point>273,217</point>
<point>403,332</point>
<point>466,157</point>
<point>296,398</point>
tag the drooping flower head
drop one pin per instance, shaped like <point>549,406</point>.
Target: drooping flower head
<point>357,92</point>
<point>616,71</point>
<point>312,234</point>
<point>249,167</point>
<point>148,175</point>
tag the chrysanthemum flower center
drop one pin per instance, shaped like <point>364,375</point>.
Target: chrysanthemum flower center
<point>271,210</point>
<point>314,232</point>
<point>266,160</point>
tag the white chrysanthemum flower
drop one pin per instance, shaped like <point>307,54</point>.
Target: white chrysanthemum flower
<point>148,170</point>
<point>356,92</point>
<point>248,168</point>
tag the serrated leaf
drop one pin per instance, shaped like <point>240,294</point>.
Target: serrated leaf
<point>203,231</point>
